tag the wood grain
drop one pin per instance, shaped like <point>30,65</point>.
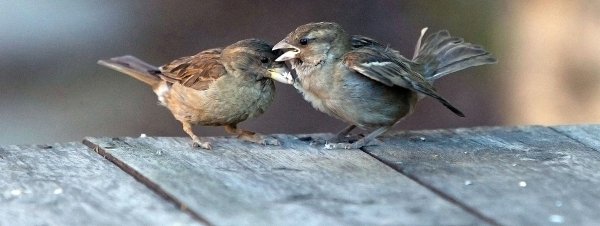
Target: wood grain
<point>588,135</point>
<point>68,184</point>
<point>239,183</point>
<point>514,176</point>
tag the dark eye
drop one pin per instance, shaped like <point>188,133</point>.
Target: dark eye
<point>264,60</point>
<point>303,41</point>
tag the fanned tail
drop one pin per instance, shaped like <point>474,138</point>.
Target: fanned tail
<point>442,54</point>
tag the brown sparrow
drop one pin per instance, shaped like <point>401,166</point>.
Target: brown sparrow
<point>369,85</point>
<point>216,87</point>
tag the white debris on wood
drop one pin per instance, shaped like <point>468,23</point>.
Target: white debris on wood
<point>16,192</point>
<point>58,191</point>
<point>556,219</point>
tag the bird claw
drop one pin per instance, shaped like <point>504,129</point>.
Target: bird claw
<point>356,145</point>
<point>269,141</point>
<point>261,139</point>
<point>314,140</point>
<point>347,146</point>
<point>335,139</point>
<point>200,144</point>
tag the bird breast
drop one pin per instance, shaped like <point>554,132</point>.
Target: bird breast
<point>226,101</point>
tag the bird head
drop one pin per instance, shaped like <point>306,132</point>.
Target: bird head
<point>254,57</point>
<point>312,43</point>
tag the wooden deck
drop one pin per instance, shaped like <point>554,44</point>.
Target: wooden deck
<point>479,176</point>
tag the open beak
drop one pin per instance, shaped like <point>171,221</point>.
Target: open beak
<point>291,53</point>
<point>281,74</point>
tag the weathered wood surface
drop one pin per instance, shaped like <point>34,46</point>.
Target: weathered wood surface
<point>478,176</point>
<point>586,134</point>
<point>68,184</point>
<point>513,176</point>
<point>239,183</point>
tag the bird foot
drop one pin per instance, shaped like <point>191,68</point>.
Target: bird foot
<point>356,145</point>
<point>313,140</point>
<point>261,139</point>
<point>335,139</point>
<point>331,146</point>
<point>345,139</point>
<point>200,144</point>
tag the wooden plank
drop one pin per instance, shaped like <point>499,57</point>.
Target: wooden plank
<point>514,176</point>
<point>68,184</point>
<point>239,183</point>
<point>586,134</point>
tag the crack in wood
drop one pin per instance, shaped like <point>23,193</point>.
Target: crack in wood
<point>436,191</point>
<point>144,180</point>
<point>563,133</point>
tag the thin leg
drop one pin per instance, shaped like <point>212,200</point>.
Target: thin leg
<point>251,136</point>
<point>345,131</point>
<point>360,143</point>
<point>340,137</point>
<point>187,127</point>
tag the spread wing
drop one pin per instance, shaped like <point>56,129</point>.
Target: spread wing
<point>388,67</point>
<point>197,72</point>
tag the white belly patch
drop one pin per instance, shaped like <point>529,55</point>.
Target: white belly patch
<point>161,91</point>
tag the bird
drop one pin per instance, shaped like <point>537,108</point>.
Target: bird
<point>368,85</point>
<point>216,87</point>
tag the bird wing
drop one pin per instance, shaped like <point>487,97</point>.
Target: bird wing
<point>197,72</point>
<point>388,67</point>
<point>359,41</point>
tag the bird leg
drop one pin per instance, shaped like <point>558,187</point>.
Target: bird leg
<point>360,143</point>
<point>338,138</point>
<point>342,134</point>
<point>251,136</point>
<point>187,127</point>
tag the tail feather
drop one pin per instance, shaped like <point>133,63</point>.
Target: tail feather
<point>135,68</point>
<point>442,54</point>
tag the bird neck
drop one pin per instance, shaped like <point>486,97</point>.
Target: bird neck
<point>339,47</point>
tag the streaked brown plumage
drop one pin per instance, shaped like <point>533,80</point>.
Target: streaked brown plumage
<point>369,85</point>
<point>216,87</point>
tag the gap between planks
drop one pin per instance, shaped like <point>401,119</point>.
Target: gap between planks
<point>438,192</point>
<point>196,216</point>
<point>556,130</point>
<point>565,134</point>
<point>144,180</point>
<point>170,198</point>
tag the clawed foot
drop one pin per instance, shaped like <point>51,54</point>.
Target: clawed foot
<point>313,140</point>
<point>356,145</point>
<point>267,140</point>
<point>261,139</point>
<point>199,144</point>
<point>336,139</point>
<point>251,136</point>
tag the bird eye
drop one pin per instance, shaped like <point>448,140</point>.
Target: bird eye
<point>303,41</point>
<point>264,60</point>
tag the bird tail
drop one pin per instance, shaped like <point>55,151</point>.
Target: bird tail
<point>442,54</point>
<point>135,68</point>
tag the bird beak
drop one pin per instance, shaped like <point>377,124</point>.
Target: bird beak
<point>281,74</point>
<point>292,52</point>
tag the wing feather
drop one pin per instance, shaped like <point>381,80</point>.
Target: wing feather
<point>389,68</point>
<point>197,72</point>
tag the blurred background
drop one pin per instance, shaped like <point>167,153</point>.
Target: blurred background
<point>52,90</point>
